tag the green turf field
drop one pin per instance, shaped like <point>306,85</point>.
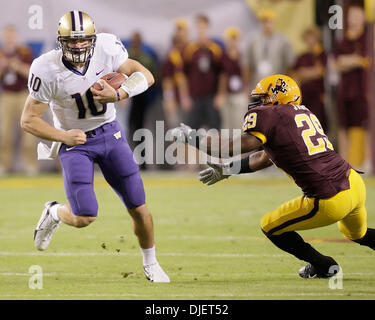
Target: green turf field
<point>208,240</point>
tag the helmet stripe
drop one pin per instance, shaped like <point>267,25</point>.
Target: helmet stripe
<point>76,19</point>
<point>80,20</point>
<point>73,21</point>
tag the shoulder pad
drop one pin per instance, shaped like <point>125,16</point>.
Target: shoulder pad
<point>45,66</point>
<point>109,44</point>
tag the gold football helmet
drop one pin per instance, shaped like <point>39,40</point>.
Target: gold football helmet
<point>276,89</point>
<point>76,26</point>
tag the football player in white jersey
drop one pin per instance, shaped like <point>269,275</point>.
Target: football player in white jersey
<point>85,125</point>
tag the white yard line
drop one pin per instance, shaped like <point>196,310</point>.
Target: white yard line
<point>166,254</point>
<point>204,237</point>
<point>190,295</point>
<point>187,274</point>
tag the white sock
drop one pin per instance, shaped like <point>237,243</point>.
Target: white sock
<point>149,256</point>
<point>53,212</point>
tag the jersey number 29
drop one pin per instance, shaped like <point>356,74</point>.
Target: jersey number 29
<point>314,129</point>
<point>91,104</point>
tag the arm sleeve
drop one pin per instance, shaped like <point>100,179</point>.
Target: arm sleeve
<point>39,87</point>
<point>258,122</point>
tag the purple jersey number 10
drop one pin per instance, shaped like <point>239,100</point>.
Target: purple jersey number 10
<point>92,106</point>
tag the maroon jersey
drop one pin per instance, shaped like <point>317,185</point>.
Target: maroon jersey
<point>353,82</point>
<point>352,102</point>
<point>312,88</point>
<point>173,68</point>
<point>233,70</point>
<point>202,68</point>
<point>295,141</point>
<point>10,80</point>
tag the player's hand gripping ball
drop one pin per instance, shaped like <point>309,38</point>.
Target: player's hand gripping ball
<point>114,79</point>
<point>104,90</point>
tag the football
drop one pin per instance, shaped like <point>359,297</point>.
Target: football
<point>114,79</point>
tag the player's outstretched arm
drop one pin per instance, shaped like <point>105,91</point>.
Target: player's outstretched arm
<point>32,122</point>
<point>233,146</point>
<point>238,145</point>
<point>219,171</point>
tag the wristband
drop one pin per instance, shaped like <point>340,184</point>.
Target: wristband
<point>243,164</point>
<point>118,95</point>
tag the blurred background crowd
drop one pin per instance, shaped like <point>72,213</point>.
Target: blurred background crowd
<point>205,70</point>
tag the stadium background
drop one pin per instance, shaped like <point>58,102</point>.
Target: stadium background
<point>155,23</point>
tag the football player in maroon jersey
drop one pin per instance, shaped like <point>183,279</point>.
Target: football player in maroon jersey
<point>292,138</point>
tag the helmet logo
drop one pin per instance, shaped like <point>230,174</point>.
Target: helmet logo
<point>77,33</point>
<point>280,86</point>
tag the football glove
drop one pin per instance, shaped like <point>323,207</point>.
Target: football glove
<point>185,134</point>
<point>215,173</point>
<point>181,133</point>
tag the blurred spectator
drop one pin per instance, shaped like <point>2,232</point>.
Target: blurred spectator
<point>15,60</point>
<point>182,32</point>
<point>269,52</point>
<point>232,98</point>
<point>202,60</point>
<point>309,72</point>
<point>176,98</point>
<point>352,105</point>
<point>140,103</point>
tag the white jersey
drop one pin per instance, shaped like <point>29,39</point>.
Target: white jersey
<point>67,90</point>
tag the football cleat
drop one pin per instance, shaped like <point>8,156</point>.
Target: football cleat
<point>45,227</point>
<point>155,273</point>
<point>309,271</point>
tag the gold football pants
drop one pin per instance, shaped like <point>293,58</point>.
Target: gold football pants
<point>346,207</point>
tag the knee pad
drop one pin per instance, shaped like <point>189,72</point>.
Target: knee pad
<point>83,201</point>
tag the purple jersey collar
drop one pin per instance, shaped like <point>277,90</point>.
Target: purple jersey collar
<point>71,67</point>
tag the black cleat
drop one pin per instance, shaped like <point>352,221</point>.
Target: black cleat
<point>309,271</point>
